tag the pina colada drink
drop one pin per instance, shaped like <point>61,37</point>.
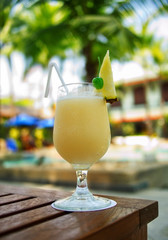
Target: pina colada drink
<point>81,131</point>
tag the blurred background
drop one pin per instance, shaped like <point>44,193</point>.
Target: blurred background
<point>74,34</point>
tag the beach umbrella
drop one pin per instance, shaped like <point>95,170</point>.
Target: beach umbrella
<point>22,119</point>
<point>46,123</point>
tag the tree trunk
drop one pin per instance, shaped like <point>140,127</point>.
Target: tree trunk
<point>11,83</point>
<point>91,64</point>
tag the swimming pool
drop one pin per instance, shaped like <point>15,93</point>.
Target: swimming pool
<point>26,160</point>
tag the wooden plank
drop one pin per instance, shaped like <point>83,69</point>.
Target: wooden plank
<point>82,226</point>
<point>27,219</point>
<point>34,191</point>
<point>148,209</point>
<point>132,202</point>
<point>13,208</point>
<point>2,194</point>
<point>54,194</point>
<point>139,234</point>
<point>119,230</point>
<point>12,198</point>
<point>33,217</point>
<point>147,215</point>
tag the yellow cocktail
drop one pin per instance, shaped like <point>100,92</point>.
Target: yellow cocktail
<point>81,136</point>
<point>81,132</point>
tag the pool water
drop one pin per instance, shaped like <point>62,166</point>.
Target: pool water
<point>27,160</point>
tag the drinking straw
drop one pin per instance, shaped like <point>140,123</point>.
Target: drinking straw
<point>51,65</point>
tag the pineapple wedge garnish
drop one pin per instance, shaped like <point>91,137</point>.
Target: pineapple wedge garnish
<point>108,90</point>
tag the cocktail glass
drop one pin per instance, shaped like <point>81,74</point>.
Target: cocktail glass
<point>81,136</point>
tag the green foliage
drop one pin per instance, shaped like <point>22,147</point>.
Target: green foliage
<point>43,29</point>
<point>128,129</point>
<point>166,119</point>
<point>24,103</point>
<point>3,131</point>
<point>21,103</point>
<point>5,101</point>
<point>48,136</point>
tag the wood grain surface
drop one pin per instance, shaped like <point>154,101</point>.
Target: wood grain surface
<point>26,213</point>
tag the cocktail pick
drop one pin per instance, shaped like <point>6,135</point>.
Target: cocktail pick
<point>51,65</point>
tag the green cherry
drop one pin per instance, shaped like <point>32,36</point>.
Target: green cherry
<point>98,82</point>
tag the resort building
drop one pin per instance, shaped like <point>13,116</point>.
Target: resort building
<point>144,103</point>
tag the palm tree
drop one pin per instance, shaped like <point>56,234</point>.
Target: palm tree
<point>5,23</point>
<point>42,30</point>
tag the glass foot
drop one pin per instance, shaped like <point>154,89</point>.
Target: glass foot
<point>83,204</point>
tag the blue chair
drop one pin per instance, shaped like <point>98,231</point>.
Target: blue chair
<point>11,145</point>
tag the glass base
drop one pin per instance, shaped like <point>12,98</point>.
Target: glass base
<point>83,203</point>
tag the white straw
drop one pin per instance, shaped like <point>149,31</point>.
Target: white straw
<point>51,65</point>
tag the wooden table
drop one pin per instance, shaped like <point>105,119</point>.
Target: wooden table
<point>26,214</point>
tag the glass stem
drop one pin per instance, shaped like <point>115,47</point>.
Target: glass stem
<point>82,186</point>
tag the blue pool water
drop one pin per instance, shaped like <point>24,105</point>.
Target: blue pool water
<point>27,160</point>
